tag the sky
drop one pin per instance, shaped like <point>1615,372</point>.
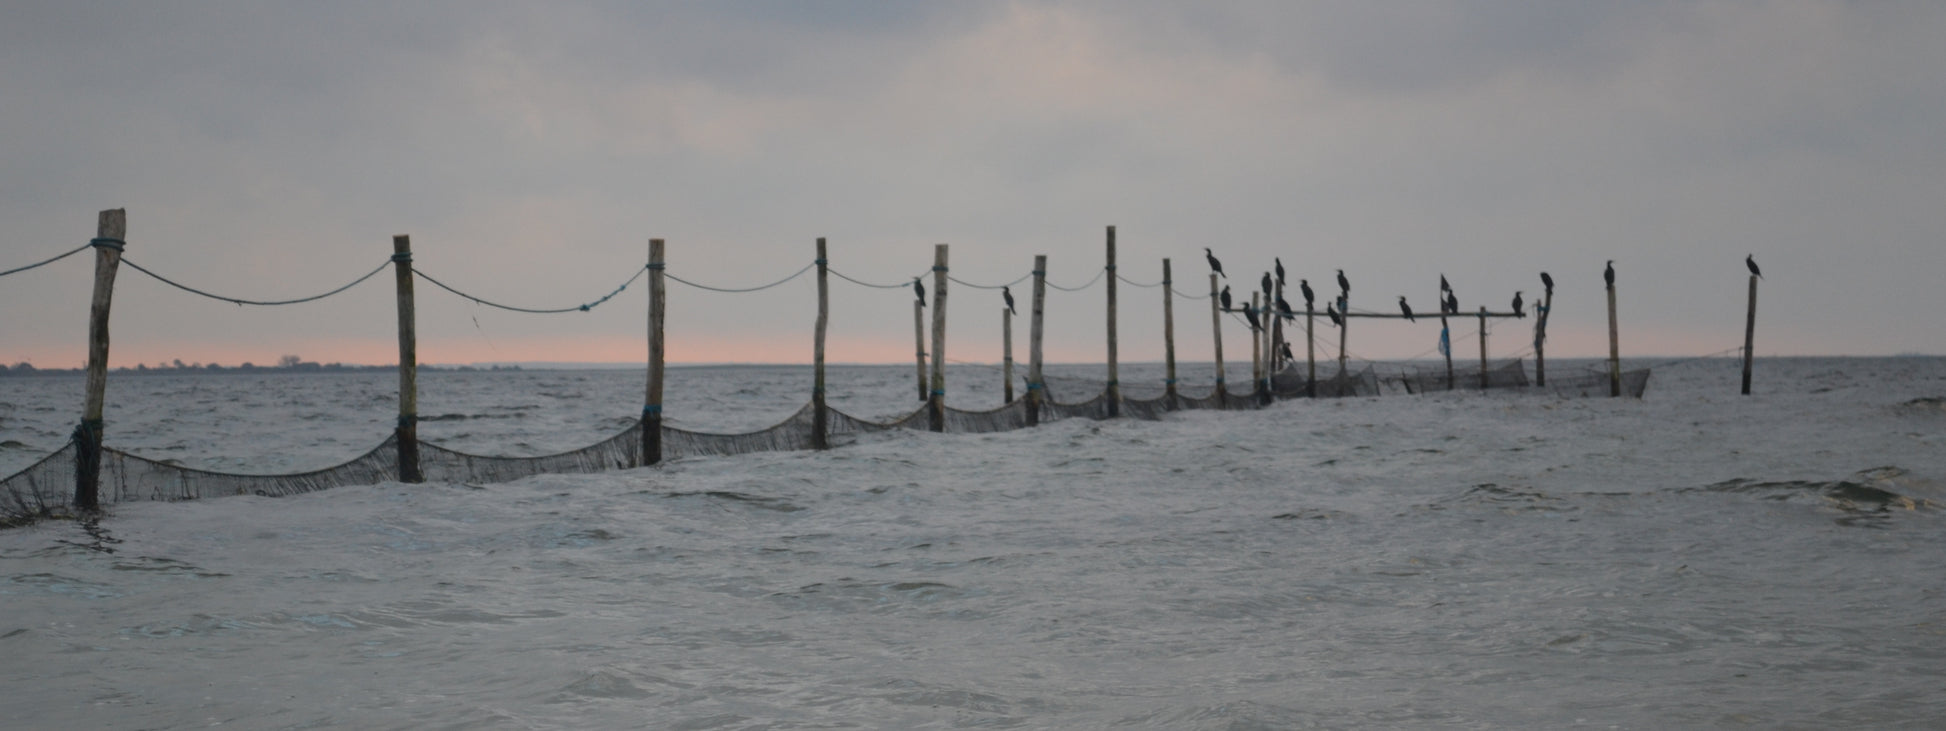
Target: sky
<point>271,150</point>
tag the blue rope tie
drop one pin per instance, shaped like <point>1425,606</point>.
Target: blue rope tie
<point>1110,267</point>
<point>402,256</point>
<point>1040,272</point>
<point>819,262</point>
<point>107,243</point>
<point>1169,381</point>
<point>1113,382</point>
<point>655,266</point>
<point>1036,387</point>
<point>1219,379</point>
<point>939,392</point>
<point>939,269</point>
<point>406,420</point>
<point>652,409</point>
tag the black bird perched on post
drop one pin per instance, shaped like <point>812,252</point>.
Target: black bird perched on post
<point>920,288</point>
<point>1280,269</point>
<point>1332,312</point>
<point>1407,309</point>
<point>1751,261</point>
<point>1225,297</point>
<point>1214,265</point>
<point>1284,309</point>
<point>1267,284</point>
<point>1548,282</point>
<point>1344,285</point>
<point>1310,298</point>
<point>1284,349</point>
<point>1517,312</point>
<point>1608,275</point>
<point>1250,313</point>
<point>1009,295</point>
<point>1452,303</point>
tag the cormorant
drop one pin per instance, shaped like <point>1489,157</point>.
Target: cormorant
<point>1284,349</point>
<point>1407,309</point>
<point>1284,309</point>
<point>1267,283</point>
<point>1452,303</point>
<point>1310,298</point>
<point>1517,312</point>
<point>1250,313</point>
<point>1751,261</point>
<point>1548,282</point>
<point>1608,275</point>
<point>1280,269</point>
<point>1214,265</point>
<point>1344,285</point>
<point>1332,312</point>
<point>1009,295</point>
<point>1226,298</point>
<point>919,288</point>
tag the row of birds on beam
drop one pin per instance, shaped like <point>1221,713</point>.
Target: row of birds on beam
<point>1449,304</point>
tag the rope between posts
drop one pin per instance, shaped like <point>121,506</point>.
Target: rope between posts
<point>83,247</point>
<point>732,290</point>
<point>957,280</point>
<point>901,285</point>
<point>1098,275</point>
<point>529,310</point>
<point>265,303</point>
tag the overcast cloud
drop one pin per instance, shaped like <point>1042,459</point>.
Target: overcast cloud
<point>271,150</point>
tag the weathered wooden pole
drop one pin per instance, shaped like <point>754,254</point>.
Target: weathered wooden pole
<point>1168,338</point>
<point>1036,388</point>
<point>1114,373</point>
<point>1216,334</point>
<point>1344,332</point>
<point>408,430</point>
<point>1614,348</point>
<point>937,404</point>
<point>1006,356</point>
<point>1257,350</point>
<point>1277,333</point>
<point>652,404</point>
<point>1540,338</point>
<point>1750,335</point>
<point>1483,348</point>
<point>111,227</point>
<point>1446,336</point>
<point>1310,351</point>
<point>820,417</point>
<point>919,344</point>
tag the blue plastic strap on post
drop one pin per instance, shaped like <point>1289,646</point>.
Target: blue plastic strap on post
<point>652,409</point>
<point>939,269</point>
<point>1110,267</point>
<point>1040,272</point>
<point>1169,381</point>
<point>107,243</point>
<point>402,257</point>
<point>1219,379</point>
<point>1114,382</point>
<point>939,392</point>
<point>655,265</point>
<point>407,420</point>
<point>1036,387</point>
<point>819,262</point>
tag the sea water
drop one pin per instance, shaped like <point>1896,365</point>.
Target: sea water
<point>1695,558</point>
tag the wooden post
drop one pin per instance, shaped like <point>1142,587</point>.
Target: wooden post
<point>408,431</point>
<point>1446,336</point>
<point>652,405</point>
<point>1277,334</point>
<point>1006,356</point>
<point>110,228</point>
<point>1036,389</point>
<point>820,416</point>
<point>1344,332</point>
<point>1750,335</point>
<point>1540,338</point>
<point>1168,338</point>
<point>1216,334</point>
<point>1483,348</point>
<point>919,344</point>
<point>1114,374</point>
<point>1257,350</point>
<point>937,418</point>
<point>1614,349</point>
<point>1310,351</point>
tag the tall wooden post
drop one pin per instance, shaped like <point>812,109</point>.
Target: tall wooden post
<point>820,417</point>
<point>919,344</point>
<point>1277,333</point>
<point>1614,349</point>
<point>1114,373</point>
<point>111,227</point>
<point>1540,338</point>
<point>1006,356</point>
<point>1483,348</point>
<point>1446,336</point>
<point>1216,334</point>
<point>937,418</point>
<point>1168,338</point>
<point>1257,350</point>
<point>1310,351</point>
<point>408,431</point>
<point>1750,335</point>
<point>1036,388</point>
<point>1344,332</point>
<point>652,404</point>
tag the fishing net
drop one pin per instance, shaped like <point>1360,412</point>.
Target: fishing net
<point>48,485</point>
<point>1427,379</point>
<point>1593,382</point>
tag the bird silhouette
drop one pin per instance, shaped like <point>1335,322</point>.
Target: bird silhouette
<point>1284,309</point>
<point>1751,261</point>
<point>1280,269</point>
<point>1443,286</point>
<point>1267,284</point>
<point>1332,312</point>
<point>1407,309</point>
<point>1310,298</point>
<point>1452,303</point>
<point>1608,274</point>
<point>1225,297</point>
<point>1548,282</point>
<point>1517,312</point>
<point>1008,294</point>
<point>920,289</point>
<point>1344,285</point>
<point>1284,349</point>
<point>1250,314</point>
<point>1214,265</point>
